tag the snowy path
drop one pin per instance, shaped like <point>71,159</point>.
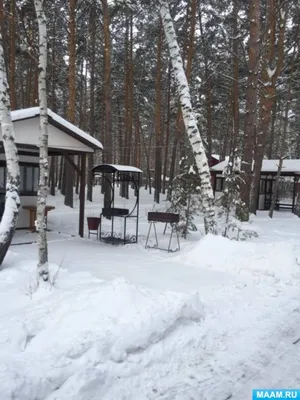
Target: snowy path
<point>152,268</point>
<point>283,369</point>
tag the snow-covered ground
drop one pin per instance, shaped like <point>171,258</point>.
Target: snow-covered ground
<point>210,322</point>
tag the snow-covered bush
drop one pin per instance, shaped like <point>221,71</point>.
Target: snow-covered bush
<point>230,201</point>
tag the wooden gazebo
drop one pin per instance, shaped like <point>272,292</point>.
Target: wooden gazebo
<point>64,139</point>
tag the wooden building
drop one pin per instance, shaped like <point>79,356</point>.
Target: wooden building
<point>290,173</point>
<point>64,139</point>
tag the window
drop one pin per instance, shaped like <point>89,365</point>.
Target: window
<point>29,178</point>
<point>262,186</point>
<point>219,184</point>
<point>2,178</point>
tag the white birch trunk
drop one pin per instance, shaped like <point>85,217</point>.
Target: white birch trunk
<point>41,225</point>
<point>12,198</point>
<point>207,197</point>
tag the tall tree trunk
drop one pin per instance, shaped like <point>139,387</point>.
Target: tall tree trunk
<point>52,176</point>
<point>235,85</point>
<point>158,143</point>
<point>188,72</point>
<point>208,85</point>
<point>120,132</point>
<point>126,149</point>
<point>12,199</point>
<point>41,223</point>
<point>275,187</point>
<point>250,120</point>
<point>207,197</point>
<point>107,98</point>
<point>297,205</point>
<point>3,31</point>
<point>188,52</point>
<point>35,89</point>
<point>130,93</point>
<point>269,78</point>
<point>12,55</point>
<point>92,101</point>
<point>138,144</point>
<point>53,68</point>
<point>69,196</point>
<point>283,138</point>
<point>167,139</point>
<point>272,133</point>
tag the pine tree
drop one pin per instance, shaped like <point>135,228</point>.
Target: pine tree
<point>230,201</point>
<point>185,199</point>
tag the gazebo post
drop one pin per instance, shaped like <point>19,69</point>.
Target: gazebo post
<point>82,195</point>
<point>138,209</point>
<point>113,204</point>
<point>294,194</point>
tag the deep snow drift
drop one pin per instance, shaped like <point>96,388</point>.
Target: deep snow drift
<point>71,339</point>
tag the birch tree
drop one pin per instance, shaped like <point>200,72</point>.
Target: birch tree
<point>43,181</point>
<point>12,198</point>
<point>207,197</point>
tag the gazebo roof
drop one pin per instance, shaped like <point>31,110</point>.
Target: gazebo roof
<point>63,137</point>
<point>112,168</point>
<point>289,167</point>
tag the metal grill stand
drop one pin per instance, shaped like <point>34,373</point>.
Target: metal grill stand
<point>166,218</point>
<point>114,174</point>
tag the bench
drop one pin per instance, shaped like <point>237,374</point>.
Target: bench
<point>32,215</point>
<point>283,206</point>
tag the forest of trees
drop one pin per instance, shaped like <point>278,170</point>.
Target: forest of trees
<point>109,72</point>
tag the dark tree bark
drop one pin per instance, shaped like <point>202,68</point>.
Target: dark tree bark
<point>69,187</point>
<point>92,101</point>
<point>107,152</point>
<point>12,55</point>
<point>250,121</point>
<point>167,138</point>
<point>269,78</point>
<point>158,143</point>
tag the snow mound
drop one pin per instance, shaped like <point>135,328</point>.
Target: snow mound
<point>57,338</point>
<point>277,260</point>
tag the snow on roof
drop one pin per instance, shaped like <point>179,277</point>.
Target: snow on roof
<point>32,112</point>
<point>289,166</point>
<point>126,168</point>
<point>115,167</point>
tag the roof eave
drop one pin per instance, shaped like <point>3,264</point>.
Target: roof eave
<point>62,128</point>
